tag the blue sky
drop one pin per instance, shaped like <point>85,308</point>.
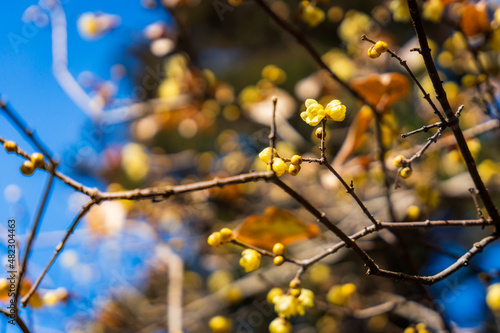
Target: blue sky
<point>26,81</point>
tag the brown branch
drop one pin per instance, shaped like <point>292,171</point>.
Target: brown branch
<point>368,261</point>
<point>417,82</point>
<point>350,190</point>
<point>30,134</point>
<point>32,236</point>
<point>452,120</point>
<point>272,133</point>
<point>59,248</point>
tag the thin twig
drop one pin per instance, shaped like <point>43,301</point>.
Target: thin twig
<point>417,82</point>
<point>425,128</point>
<point>23,128</point>
<point>34,230</point>
<point>59,248</point>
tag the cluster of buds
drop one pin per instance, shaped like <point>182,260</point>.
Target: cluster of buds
<point>225,235</point>
<point>278,165</point>
<point>36,160</point>
<point>405,166</point>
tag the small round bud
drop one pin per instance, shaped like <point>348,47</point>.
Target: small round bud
<point>295,292</point>
<point>10,146</point>
<point>406,172</point>
<point>294,169</point>
<point>372,53</point>
<point>278,260</point>
<point>220,324</point>
<point>413,213</point>
<point>226,235</point>
<point>493,297</point>
<point>295,283</point>
<point>38,160</point>
<point>27,168</point>
<point>319,132</point>
<point>421,326</point>
<point>278,249</point>
<point>296,159</point>
<point>399,161</point>
<point>215,239</point>
<point>381,46</point>
<point>280,325</point>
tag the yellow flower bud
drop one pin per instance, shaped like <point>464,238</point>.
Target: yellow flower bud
<point>319,132</point>
<point>413,213</point>
<point>406,172</point>
<point>220,324</point>
<point>278,249</point>
<point>226,235</point>
<point>381,46</point>
<point>409,330</point>
<point>280,325</point>
<point>215,239</point>
<point>295,292</point>
<point>372,53</point>
<point>399,161</point>
<point>278,260</point>
<point>27,168</point>
<point>10,146</point>
<point>38,160</point>
<point>296,159</point>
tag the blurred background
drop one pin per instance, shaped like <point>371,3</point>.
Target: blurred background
<point>149,93</point>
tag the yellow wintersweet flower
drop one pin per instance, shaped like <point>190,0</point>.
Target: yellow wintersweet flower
<point>306,298</point>
<point>287,306</point>
<point>314,113</point>
<point>335,110</point>
<point>250,260</point>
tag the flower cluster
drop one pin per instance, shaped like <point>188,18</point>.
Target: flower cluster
<point>315,112</point>
<point>277,164</point>
<point>36,160</point>
<point>291,304</point>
